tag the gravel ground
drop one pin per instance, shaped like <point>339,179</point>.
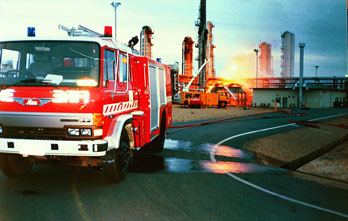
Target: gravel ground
<point>294,144</point>
<point>182,114</point>
<point>332,165</point>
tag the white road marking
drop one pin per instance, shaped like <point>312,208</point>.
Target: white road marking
<point>212,158</point>
<point>327,117</point>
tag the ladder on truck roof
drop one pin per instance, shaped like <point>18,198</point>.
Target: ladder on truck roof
<point>80,31</point>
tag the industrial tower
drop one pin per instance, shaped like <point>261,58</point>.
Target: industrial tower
<point>202,42</point>
<point>210,70</point>
<point>266,60</point>
<point>145,41</point>
<point>288,54</point>
<point>187,56</point>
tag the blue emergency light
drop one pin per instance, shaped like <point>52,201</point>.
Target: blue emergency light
<point>31,31</point>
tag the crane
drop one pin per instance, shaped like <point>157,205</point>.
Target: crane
<point>186,88</point>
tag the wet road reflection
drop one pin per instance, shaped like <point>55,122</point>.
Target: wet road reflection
<point>231,152</point>
<point>224,151</point>
<point>234,167</point>
<point>178,145</point>
<point>145,162</point>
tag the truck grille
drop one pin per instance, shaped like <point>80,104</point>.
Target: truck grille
<point>33,133</point>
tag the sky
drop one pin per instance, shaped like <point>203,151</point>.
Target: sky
<point>240,26</point>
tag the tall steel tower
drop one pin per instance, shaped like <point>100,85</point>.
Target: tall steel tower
<point>288,54</point>
<point>202,41</point>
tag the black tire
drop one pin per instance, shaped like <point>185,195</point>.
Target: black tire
<point>158,143</point>
<point>223,104</point>
<point>14,165</point>
<point>117,170</point>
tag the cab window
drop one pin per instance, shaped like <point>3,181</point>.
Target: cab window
<point>109,65</point>
<point>9,60</point>
<point>123,76</point>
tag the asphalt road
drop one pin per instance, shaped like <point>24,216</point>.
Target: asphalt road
<point>181,183</point>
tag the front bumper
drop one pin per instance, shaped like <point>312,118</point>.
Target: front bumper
<point>89,148</point>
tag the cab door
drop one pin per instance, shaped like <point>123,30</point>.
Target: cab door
<point>122,73</point>
<point>154,97</point>
<point>123,91</point>
<point>109,83</point>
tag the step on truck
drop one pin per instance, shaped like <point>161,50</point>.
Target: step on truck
<point>84,101</point>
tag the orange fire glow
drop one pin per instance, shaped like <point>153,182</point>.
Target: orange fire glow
<point>235,75</point>
<point>240,67</point>
<point>238,70</point>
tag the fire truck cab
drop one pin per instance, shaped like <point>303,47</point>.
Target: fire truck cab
<point>83,101</point>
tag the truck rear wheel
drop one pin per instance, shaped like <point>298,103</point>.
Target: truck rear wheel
<point>222,104</point>
<point>14,165</point>
<point>117,169</point>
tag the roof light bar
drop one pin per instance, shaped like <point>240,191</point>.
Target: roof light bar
<point>108,31</point>
<point>31,31</point>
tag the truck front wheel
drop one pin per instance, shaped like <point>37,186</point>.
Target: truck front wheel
<point>14,165</point>
<point>117,167</point>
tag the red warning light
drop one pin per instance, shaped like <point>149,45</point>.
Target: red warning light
<point>108,31</point>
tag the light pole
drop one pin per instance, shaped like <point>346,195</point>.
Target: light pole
<point>115,5</point>
<point>302,46</point>
<point>257,66</point>
<point>316,70</point>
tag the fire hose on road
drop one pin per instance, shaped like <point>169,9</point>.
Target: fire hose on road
<point>185,126</point>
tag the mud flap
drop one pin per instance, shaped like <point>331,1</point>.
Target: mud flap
<point>129,130</point>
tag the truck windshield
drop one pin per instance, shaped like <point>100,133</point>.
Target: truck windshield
<point>49,63</point>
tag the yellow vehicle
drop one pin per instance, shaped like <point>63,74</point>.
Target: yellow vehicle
<point>224,98</point>
<point>187,96</point>
<point>204,99</point>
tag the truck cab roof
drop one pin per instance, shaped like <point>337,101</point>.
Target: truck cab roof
<point>108,42</point>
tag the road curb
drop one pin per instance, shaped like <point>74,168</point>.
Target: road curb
<point>295,164</point>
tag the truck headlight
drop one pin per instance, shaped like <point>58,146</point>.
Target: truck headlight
<point>73,132</point>
<point>0,129</point>
<point>86,132</point>
<point>80,132</point>
<point>6,95</point>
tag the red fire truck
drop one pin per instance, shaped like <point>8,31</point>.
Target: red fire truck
<point>84,101</point>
